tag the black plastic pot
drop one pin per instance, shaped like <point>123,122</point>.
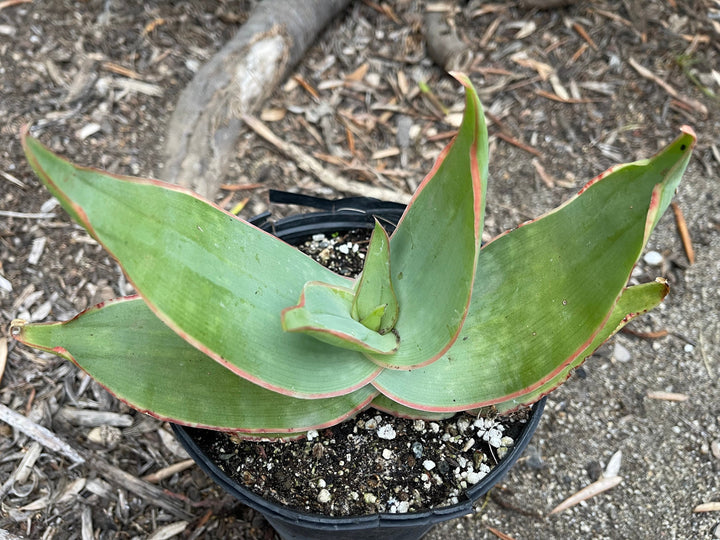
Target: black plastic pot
<point>337,216</point>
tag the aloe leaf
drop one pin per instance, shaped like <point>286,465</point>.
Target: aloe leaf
<point>545,290</point>
<point>323,312</point>
<point>374,287</point>
<point>633,302</point>
<point>128,350</point>
<point>387,405</point>
<point>434,249</point>
<point>373,320</point>
<point>214,279</point>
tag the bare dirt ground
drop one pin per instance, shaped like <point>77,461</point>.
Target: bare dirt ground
<point>568,92</point>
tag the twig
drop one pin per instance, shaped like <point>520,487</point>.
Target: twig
<point>307,87</point>
<point>646,335</point>
<point>42,435</point>
<point>542,173</point>
<point>512,140</point>
<point>498,533</point>
<point>583,34</point>
<point>684,233</point>
<point>23,215</point>
<point>708,507</point>
<point>10,3</point>
<point>88,418</point>
<point>667,396</point>
<point>140,87</point>
<point>587,492</point>
<point>86,526</point>
<point>309,164</point>
<point>167,472</point>
<point>561,99</point>
<point>644,72</point>
<point>3,356</point>
<point>10,178</point>
<point>23,470</point>
<point>168,531</point>
<point>140,488</point>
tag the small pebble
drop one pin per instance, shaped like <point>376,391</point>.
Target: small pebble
<point>419,425</point>
<point>620,353</point>
<point>429,465</point>
<point>312,434</point>
<point>715,448</point>
<point>653,258</point>
<point>493,437</point>
<point>507,441</point>
<point>386,432</point>
<point>369,498</point>
<point>324,496</point>
<point>371,424</point>
<point>434,427</point>
<point>387,453</point>
<point>473,477</point>
<point>417,449</point>
<point>688,348</point>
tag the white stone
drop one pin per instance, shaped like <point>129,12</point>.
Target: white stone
<point>324,496</point>
<point>429,465</point>
<point>474,477</point>
<point>620,353</point>
<point>386,432</point>
<point>493,437</point>
<point>653,258</point>
<point>312,434</point>
<point>387,453</point>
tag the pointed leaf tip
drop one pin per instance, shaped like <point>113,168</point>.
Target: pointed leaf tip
<point>435,246</point>
<point>374,288</point>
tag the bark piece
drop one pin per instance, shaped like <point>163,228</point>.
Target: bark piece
<point>206,124</point>
<point>39,433</point>
<point>444,46</point>
<point>144,490</point>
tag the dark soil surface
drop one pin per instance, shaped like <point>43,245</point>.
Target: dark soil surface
<point>396,465</point>
<point>568,91</point>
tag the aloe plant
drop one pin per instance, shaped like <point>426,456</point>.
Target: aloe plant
<point>232,329</point>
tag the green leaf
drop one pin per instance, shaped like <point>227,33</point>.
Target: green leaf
<point>544,291</point>
<point>433,251</point>
<point>373,320</point>
<point>215,280</point>
<point>128,350</point>
<point>633,302</point>
<point>387,405</point>
<point>323,312</point>
<point>374,287</point>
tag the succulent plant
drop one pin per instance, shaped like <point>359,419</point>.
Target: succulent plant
<point>232,329</point>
